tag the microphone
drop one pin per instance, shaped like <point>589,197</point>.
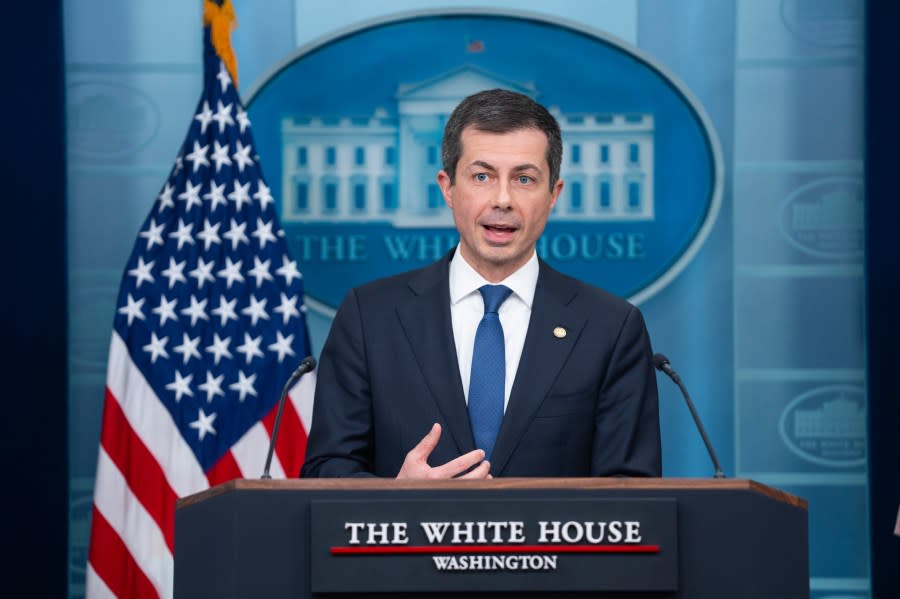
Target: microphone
<point>308,363</point>
<point>662,364</point>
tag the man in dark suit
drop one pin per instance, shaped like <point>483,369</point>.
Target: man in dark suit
<point>488,362</point>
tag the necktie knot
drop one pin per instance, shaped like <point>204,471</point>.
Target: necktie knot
<point>494,296</point>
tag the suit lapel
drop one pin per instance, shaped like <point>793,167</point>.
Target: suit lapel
<point>425,319</point>
<point>543,356</point>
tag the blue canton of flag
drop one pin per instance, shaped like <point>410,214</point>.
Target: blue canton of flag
<point>211,304</point>
<point>210,324</point>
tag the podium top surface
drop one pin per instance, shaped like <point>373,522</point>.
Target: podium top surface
<point>387,484</point>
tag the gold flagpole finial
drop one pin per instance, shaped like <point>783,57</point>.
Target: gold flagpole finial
<point>221,21</point>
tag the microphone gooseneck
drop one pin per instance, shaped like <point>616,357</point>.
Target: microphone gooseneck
<point>661,363</point>
<point>308,363</point>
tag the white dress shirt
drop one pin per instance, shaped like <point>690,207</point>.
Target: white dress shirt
<point>467,309</point>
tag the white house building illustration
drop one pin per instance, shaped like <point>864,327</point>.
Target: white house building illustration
<point>839,418</point>
<point>382,166</point>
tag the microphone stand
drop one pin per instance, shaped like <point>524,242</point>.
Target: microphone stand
<point>306,365</point>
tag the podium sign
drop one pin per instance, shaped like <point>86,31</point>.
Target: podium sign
<point>565,544</point>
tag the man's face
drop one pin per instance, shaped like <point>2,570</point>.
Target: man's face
<point>501,198</point>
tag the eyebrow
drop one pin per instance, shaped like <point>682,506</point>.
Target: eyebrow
<point>516,169</point>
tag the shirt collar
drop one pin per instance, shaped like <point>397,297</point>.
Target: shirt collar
<point>465,280</point>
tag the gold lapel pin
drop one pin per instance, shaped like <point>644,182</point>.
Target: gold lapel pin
<point>559,332</point>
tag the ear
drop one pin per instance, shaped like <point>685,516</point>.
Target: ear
<point>554,193</point>
<point>446,186</point>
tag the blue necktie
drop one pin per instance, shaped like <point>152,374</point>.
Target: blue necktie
<point>487,383</point>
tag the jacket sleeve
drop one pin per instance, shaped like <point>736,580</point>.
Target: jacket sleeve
<point>626,433</point>
<point>340,442</point>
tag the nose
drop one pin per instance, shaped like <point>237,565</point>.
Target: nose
<point>503,199</point>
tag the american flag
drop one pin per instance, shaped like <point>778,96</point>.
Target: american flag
<point>209,325</point>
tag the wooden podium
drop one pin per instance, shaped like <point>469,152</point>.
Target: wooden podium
<point>252,538</point>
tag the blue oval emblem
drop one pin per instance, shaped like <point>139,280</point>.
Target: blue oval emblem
<point>827,426</point>
<point>109,120</point>
<point>824,218</point>
<point>352,126</point>
<point>826,24</point>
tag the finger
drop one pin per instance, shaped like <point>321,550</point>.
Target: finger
<point>460,464</point>
<point>482,471</point>
<point>424,448</point>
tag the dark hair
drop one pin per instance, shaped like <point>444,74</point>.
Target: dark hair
<point>500,111</point>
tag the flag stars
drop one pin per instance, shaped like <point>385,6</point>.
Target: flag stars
<point>250,347</point>
<point>236,234</point>
<point>153,234</point>
<point>205,117</point>
<point>212,386</point>
<point>240,195</point>
<point>212,277</point>
<point>181,386</point>
<point>242,155</point>
<point>256,310</point>
<point>156,348</point>
<point>203,424</point>
<point>188,348</point>
<point>175,272</point>
<point>166,311</point>
<point>263,194</point>
<point>165,197</point>
<point>231,272</point>
<point>260,271</point>
<point>288,270</point>
<point>287,308</point>
<point>183,234</point>
<point>191,195</point>
<point>282,346</point>
<point>220,156</point>
<point>197,310</point>
<point>216,195</point>
<point>210,234</point>
<point>224,77</point>
<point>223,116</point>
<point>198,156</point>
<point>219,348</point>
<point>242,118</point>
<point>141,272</point>
<point>263,232</point>
<point>244,385</point>
<point>225,311</point>
<point>203,272</point>
<point>132,309</point>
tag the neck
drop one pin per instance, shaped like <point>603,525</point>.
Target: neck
<point>493,273</point>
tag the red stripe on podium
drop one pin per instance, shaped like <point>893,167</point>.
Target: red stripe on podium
<point>419,549</point>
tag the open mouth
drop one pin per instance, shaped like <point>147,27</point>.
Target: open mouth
<point>499,228</point>
<point>499,233</point>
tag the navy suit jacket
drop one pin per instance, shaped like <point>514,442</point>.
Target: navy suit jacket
<point>584,404</point>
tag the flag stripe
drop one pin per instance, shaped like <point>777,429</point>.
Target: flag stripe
<point>225,469</point>
<point>110,559</point>
<point>95,586</point>
<point>290,437</point>
<point>142,472</point>
<point>250,453</point>
<point>302,396</point>
<point>138,531</point>
<point>151,422</point>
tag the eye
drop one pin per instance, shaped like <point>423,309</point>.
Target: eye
<point>524,179</point>
<point>481,177</point>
